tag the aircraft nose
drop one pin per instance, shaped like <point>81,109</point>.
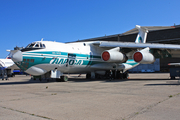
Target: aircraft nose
<point>17,57</point>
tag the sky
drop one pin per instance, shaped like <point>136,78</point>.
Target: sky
<point>26,21</point>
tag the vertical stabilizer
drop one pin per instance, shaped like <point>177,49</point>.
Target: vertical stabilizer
<point>142,35</point>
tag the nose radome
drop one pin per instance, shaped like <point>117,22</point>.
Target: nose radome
<point>17,57</point>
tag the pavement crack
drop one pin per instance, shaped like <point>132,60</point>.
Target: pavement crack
<point>24,98</point>
<point>27,113</point>
<point>143,110</point>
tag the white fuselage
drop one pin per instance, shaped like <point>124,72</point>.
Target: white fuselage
<point>67,58</point>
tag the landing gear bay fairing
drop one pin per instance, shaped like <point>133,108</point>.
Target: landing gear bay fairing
<point>97,59</point>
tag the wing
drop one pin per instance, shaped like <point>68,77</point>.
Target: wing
<point>139,50</point>
<point>136,45</point>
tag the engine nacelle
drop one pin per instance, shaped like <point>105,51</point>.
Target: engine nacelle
<point>113,56</point>
<point>143,56</point>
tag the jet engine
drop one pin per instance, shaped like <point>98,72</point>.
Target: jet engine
<point>143,56</point>
<point>113,55</point>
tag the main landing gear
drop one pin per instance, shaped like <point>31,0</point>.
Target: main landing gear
<point>112,74</point>
<point>62,79</point>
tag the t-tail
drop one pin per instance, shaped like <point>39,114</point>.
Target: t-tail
<point>142,35</point>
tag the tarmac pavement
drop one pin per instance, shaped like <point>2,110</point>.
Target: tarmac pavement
<point>146,96</point>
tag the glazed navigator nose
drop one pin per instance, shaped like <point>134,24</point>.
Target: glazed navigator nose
<point>17,57</point>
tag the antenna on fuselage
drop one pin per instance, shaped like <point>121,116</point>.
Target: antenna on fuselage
<point>42,39</point>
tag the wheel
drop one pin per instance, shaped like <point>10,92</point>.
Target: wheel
<point>88,76</point>
<point>97,76</point>
<point>125,75</point>
<point>58,80</point>
<point>64,78</point>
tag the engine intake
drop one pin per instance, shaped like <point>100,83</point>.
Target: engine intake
<point>143,56</point>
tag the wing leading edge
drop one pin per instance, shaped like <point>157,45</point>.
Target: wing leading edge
<point>137,45</point>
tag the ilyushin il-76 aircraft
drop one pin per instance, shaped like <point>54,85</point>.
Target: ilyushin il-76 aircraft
<point>96,58</point>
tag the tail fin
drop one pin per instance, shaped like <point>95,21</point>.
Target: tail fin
<point>142,35</point>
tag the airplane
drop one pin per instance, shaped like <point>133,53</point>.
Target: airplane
<point>8,65</point>
<point>95,58</point>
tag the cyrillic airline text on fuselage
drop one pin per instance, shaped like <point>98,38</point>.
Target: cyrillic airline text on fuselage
<point>65,61</point>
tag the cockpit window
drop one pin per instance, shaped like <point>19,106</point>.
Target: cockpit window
<point>41,45</point>
<point>31,45</point>
<point>36,45</point>
<point>44,46</point>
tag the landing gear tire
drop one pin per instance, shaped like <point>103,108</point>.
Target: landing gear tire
<point>64,78</point>
<point>88,76</point>
<point>125,75</point>
<point>58,80</point>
